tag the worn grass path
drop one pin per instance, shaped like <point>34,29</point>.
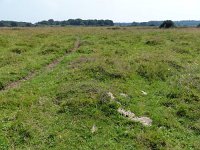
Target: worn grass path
<point>32,95</point>
<point>35,97</point>
<point>48,67</point>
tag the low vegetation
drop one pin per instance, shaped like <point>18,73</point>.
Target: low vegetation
<point>54,85</point>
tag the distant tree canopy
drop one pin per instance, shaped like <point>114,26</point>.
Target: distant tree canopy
<point>198,26</point>
<point>51,22</point>
<point>183,23</point>
<point>76,22</point>
<point>149,23</point>
<point>1,24</point>
<point>94,22</point>
<point>15,24</point>
<point>167,24</point>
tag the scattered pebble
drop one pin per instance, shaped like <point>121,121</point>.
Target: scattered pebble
<point>111,95</point>
<point>131,116</point>
<point>126,113</point>
<point>144,120</point>
<point>94,129</point>
<point>144,93</point>
<point>124,95</point>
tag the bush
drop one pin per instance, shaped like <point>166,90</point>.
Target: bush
<point>50,49</point>
<point>167,24</point>
<point>18,50</point>
<point>153,71</point>
<point>1,86</point>
<point>1,24</point>
<point>13,24</point>
<point>198,26</point>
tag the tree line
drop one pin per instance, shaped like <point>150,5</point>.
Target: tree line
<point>51,22</point>
<point>15,24</point>
<point>95,22</point>
<point>76,22</point>
<point>184,23</point>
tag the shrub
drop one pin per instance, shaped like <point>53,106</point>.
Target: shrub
<point>153,71</point>
<point>50,48</point>
<point>18,50</point>
<point>167,24</point>
<point>13,24</point>
<point>1,24</point>
<point>1,86</point>
<point>102,74</point>
<point>153,42</point>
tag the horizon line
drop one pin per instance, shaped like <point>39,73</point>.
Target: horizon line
<point>102,19</point>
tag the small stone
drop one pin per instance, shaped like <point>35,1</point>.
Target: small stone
<point>123,95</point>
<point>145,121</point>
<point>111,95</point>
<point>125,113</point>
<point>144,93</point>
<point>94,129</point>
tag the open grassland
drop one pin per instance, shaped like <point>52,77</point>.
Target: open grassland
<point>54,84</point>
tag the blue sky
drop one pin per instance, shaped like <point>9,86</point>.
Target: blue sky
<point>117,10</point>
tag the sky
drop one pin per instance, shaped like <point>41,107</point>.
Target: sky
<point>116,10</point>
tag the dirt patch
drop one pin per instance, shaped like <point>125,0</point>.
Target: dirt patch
<point>54,63</point>
<point>17,83</point>
<point>77,44</point>
<point>57,61</point>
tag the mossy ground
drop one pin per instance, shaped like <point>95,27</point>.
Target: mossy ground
<point>57,108</point>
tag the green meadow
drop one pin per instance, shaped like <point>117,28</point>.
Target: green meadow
<point>54,85</point>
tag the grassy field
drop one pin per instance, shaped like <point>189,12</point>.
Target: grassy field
<point>54,84</point>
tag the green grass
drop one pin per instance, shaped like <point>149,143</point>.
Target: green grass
<point>57,108</point>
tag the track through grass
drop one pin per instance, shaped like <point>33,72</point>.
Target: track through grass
<point>50,66</point>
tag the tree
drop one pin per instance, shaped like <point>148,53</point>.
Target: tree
<point>198,26</point>
<point>100,22</point>
<point>28,24</point>
<point>64,23</point>
<point>50,22</point>
<point>1,24</point>
<point>13,24</point>
<point>78,22</point>
<point>44,22</point>
<point>108,23</point>
<point>135,24</point>
<point>167,24</point>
